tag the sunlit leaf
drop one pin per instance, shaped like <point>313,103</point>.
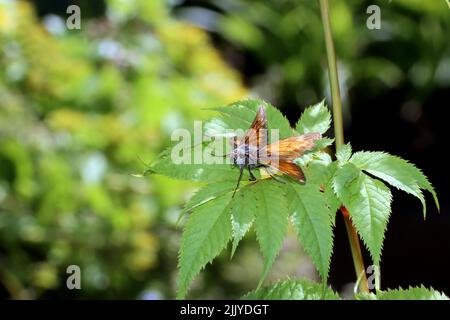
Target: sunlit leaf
<point>412,293</point>
<point>369,204</point>
<point>316,118</point>
<point>311,219</point>
<point>293,290</point>
<point>205,235</point>
<point>271,220</point>
<point>397,172</point>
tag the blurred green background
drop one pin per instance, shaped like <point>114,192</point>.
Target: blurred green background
<point>79,108</point>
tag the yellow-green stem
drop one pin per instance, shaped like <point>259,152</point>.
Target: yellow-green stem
<point>353,238</point>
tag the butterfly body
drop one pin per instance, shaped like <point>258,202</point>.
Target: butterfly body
<point>253,151</point>
<point>245,155</point>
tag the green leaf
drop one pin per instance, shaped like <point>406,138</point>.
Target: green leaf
<point>194,169</point>
<point>242,209</point>
<point>316,118</point>
<point>323,143</point>
<point>196,172</point>
<point>344,153</point>
<point>209,192</point>
<point>332,200</point>
<point>205,194</point>
<point>319,169</point>
<point>293,290</point>
<point>224,126</point>
<point>424,183</point>
<point>240,115</point>
<point>369,204</point>
<point>206,234</point>
<point>311,220</point>
<point>397,172</point>
<point>271,220</point>
<point>343,178</point>
<point>315,166</point>
<point>412,293</point>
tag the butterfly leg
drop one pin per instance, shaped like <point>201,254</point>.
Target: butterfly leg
<point>252,176</point>
<point>241,170</point>
<point>273,176</point>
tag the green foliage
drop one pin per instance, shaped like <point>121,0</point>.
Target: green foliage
<point>316,166</point>
<point>369,200</point>
<point>293,290</point>
<point>311,219</point>
<point>240,115</point>
<point>412,293</point>
<point>370,213</point>
<point>321,170</point>
<point>344,153</point>
<point>369,204</point>
<point>208,193</point>
<point>331,198</point>
<point>205,235</point>
<point>271,221</point>
<point>72,126</point>
<point>263,203</point>
<point>205,194</point>
<point>316,118</point>
<point>216,216</point>
<point>395,171</point>
<point>242,214</point>
<point>194,172</point>
<point>343,180</point>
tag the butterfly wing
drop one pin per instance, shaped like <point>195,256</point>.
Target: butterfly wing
<point>293,147</point>
<point>281,154</point>
<point>256,135</point>
<point>287,168</point>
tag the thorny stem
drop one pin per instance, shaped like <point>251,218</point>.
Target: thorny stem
<point>353,238</point>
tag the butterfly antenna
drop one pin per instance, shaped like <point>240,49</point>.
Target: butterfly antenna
<point>222,156</point>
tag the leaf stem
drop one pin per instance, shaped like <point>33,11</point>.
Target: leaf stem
<point>353,238</point>
<point>355,247</point>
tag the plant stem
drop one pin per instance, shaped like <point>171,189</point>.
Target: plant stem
<point>333,74</point>
<point>355,247</point>
<point>353,238</point>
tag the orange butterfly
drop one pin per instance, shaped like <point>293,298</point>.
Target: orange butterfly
<point>253,151</point>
